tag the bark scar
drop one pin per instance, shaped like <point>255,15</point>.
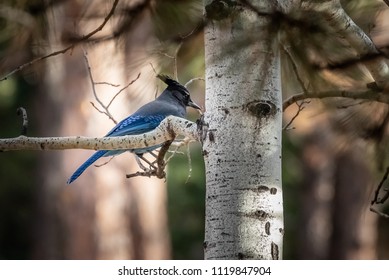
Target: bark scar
<point>262,109</point>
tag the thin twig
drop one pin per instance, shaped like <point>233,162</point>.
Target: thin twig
<point>156,90</point>
<point>108,161</point>
<point>147,173</point>
<point>189,164</point>
<point>65,50</point>
<point>376,200</point>
<point>175,60</point>
<point>188,83</point>
<point>385,196</point>
<point>299,109</point>
<point>130,83</point>
<point>98,110</point>
<point>198,27</point>
<point>106,83</point>
<point>21,67</point>
<point>174,152</point>
<point>178,144</point>
<point>174,57</point>
<point>106,110</point>
<point>186,141</point>
<point>295,70</point>
<point>152,66</point>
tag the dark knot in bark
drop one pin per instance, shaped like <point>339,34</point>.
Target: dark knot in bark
<point>262,109</point>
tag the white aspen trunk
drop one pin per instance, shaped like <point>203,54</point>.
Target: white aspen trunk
<point>242,151</point>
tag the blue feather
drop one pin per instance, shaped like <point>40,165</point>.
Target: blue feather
<point>136,125</point>
<point>85,165</point>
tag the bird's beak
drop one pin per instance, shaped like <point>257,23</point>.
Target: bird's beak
<point>193,105</point>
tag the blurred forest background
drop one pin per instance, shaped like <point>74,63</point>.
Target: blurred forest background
<point>329,170</point>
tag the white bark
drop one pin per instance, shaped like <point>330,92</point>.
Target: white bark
<point>167,130</point>
<point>244,213</point>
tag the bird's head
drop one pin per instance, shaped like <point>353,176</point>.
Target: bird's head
<point>178,91</point>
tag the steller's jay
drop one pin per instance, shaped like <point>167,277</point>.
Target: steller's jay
<point>172,102</point>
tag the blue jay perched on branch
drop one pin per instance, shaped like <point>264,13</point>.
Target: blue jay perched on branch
<point>172,102</point>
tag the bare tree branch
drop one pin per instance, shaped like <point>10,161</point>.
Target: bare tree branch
<point>122,89</point>
<point>166,131</point>
<point>175,60</point>
<point>106,110</point>
<point>189,164</point>
<point>106,83</point>
<point>376,199</point>
<point>295,70</point>
<point>160,173</point>
<point>188,83</point>
<point>65,50</point>
<point>370,95</point>
<point>174,57</point>
<point>299,109</point>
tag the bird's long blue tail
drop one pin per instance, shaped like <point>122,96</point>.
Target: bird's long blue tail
<point>85,165</point>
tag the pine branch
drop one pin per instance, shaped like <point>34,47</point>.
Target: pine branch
<point>345,28</point>
<point>65,50</point>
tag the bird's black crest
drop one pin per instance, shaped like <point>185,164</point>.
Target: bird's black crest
<point>172,83</point>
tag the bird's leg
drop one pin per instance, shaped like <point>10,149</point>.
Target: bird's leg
<point>99,165</point>
<point>156,157</point>
<point>151,164</point>
<point>157,167</point>
<point>137,158</point>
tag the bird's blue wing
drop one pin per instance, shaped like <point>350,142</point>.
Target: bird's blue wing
<point>137,124</point>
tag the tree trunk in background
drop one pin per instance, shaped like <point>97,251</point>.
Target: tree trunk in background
<point>335,222</point>
<point>354,232</point>
<point>65,221</point>
<point>244,210</point>
<point>316,194</point>
<point>102,215</point>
